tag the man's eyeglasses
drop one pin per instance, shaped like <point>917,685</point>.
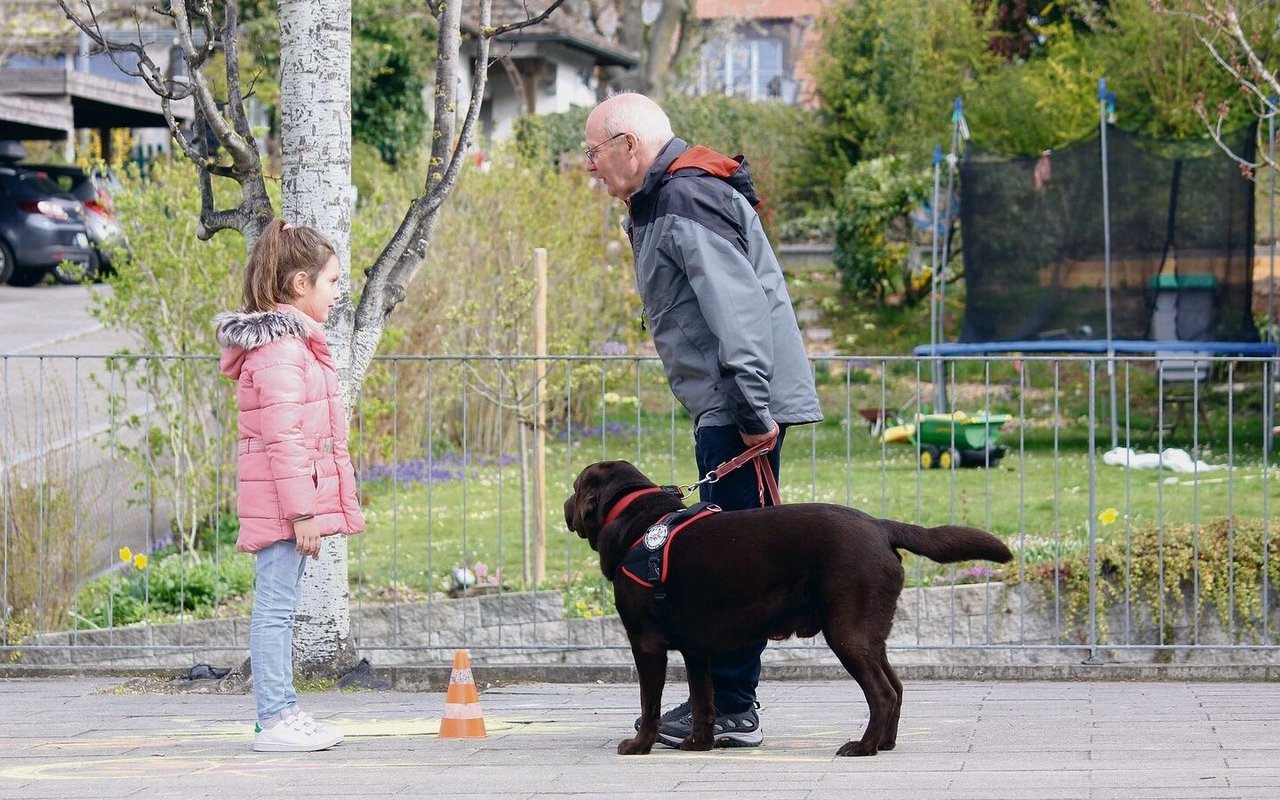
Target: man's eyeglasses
<point>592,152</point>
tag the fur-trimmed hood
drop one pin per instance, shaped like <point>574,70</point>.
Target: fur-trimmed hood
<point>242,332</point>
<point>250,330</point>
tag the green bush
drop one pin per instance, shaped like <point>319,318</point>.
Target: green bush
<point>474,296</point>
<point>1158,572</point>
<point>168,587</point>
<point>769,134</point>
<point>164,294</point>
<point>872,234</point>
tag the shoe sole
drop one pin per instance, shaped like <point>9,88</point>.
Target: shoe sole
<point>732,740</point>
<point>741,740</point>
<point>284,747</point>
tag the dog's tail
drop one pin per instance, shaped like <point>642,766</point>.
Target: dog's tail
<point>946,543</point>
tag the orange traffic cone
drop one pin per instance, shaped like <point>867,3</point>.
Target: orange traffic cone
<point>462,717</point>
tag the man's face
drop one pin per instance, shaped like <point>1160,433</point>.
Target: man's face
<point>611,159</point>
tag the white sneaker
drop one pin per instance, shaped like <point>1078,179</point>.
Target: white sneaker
<point>292,734</point>
<point>323,728</point>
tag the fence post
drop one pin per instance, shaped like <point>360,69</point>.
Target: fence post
<point>1092,522</point>
<point>540,415</point>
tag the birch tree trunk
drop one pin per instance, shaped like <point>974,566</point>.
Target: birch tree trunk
<point>315,128</point>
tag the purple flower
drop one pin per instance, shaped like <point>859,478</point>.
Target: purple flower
<point>612,348</point>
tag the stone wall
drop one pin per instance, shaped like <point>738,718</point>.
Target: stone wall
<point>990,624</point>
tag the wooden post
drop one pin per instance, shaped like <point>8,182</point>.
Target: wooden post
<point>540,416</point>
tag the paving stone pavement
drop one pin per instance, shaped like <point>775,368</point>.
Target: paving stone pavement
<point>69,738</point>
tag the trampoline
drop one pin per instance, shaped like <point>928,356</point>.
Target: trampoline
<point>1118,245</point>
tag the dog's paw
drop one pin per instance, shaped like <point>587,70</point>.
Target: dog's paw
<point>856,749</point>
<point>634,747</point>
<point>690,743</point>
<point>889,745</point>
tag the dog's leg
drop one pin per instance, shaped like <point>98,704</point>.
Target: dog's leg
<point>862,660</point>
<point>890,739</point>
<point>702,700</point>
<point>652,668</point>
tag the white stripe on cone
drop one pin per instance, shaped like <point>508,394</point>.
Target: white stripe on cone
<point>462,676</point>
<point>462,711</point>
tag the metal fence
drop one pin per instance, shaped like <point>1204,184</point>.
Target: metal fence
<point>117,503</point>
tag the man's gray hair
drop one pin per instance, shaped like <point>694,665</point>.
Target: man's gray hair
<point>632,112</point>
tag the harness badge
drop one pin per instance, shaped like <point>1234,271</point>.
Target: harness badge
<point>656,536</point>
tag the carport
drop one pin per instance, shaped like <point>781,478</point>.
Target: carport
<point>51,103</point>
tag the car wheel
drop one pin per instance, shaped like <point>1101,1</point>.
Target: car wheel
<point>6,263</point>
<point>70,273</point>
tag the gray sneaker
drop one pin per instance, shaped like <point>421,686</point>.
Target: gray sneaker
<point>729,730</point>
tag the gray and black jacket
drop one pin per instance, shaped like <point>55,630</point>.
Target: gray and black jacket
<point>714,296</point>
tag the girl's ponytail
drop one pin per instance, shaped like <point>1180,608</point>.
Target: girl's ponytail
<point>281,252</point>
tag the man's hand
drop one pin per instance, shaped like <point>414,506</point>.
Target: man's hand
<point>753,439</point>
<point>306,533</point>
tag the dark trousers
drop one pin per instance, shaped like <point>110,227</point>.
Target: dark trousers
<point>734,674</point>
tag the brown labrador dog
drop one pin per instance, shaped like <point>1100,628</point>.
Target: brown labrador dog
<point>739,577</point>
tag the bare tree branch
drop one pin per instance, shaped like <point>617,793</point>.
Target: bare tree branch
<point>1219,29</point>
<point>525,23</point>
<point>236,137</point>
<point>231,49</point>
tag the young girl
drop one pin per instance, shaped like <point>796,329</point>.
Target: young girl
<point>295,476</point>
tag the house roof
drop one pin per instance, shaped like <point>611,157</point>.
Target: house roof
<point>560,26</point>
<point>761,9</point>
<point>39,28</point>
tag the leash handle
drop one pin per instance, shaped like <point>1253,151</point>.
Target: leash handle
<point>764,474</point>
<point>755,451</point>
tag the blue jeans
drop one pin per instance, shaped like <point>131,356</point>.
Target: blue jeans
<point>275,598</point>
<point>734,674</point>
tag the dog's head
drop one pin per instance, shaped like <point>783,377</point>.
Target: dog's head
<point>596,489</point>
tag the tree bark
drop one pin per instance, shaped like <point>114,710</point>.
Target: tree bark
<point>315,128</point>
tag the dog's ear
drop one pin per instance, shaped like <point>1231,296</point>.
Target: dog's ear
<point>580,507</point>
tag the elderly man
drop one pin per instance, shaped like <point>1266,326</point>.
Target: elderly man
<point>722,323</point>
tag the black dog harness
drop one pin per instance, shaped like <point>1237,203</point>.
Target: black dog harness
<point>647,561</point>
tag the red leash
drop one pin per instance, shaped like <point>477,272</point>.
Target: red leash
<point>757,454</point>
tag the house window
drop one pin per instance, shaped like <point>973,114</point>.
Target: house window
<point>747,68</point>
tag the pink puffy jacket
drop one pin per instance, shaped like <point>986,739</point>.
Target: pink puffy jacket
<point>293,460</point>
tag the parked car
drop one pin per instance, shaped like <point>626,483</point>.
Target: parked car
<point>106,234</point>
<point>41,227</point>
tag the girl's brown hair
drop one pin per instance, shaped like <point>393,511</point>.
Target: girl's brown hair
<point>281,252</point>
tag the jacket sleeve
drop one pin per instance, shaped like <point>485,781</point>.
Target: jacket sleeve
<point>734,305</point>
<point>279,378</point>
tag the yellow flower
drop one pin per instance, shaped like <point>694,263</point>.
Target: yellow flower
<point>1108,516</point>
<point>126,555</point>
<point>140,561</point>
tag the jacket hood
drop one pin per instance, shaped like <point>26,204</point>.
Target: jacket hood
<point>241,332</point>
<point>733,171</point>
<point>678,159</point>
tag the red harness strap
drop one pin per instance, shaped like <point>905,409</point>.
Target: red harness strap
<point>666,545</point>
<point>628,499</point>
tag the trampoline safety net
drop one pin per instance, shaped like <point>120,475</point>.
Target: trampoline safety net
<point>1182,217</point>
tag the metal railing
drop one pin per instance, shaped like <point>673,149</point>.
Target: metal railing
<point>1157,546</point>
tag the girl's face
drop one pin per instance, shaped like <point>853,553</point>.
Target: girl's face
<point>316,299</point>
